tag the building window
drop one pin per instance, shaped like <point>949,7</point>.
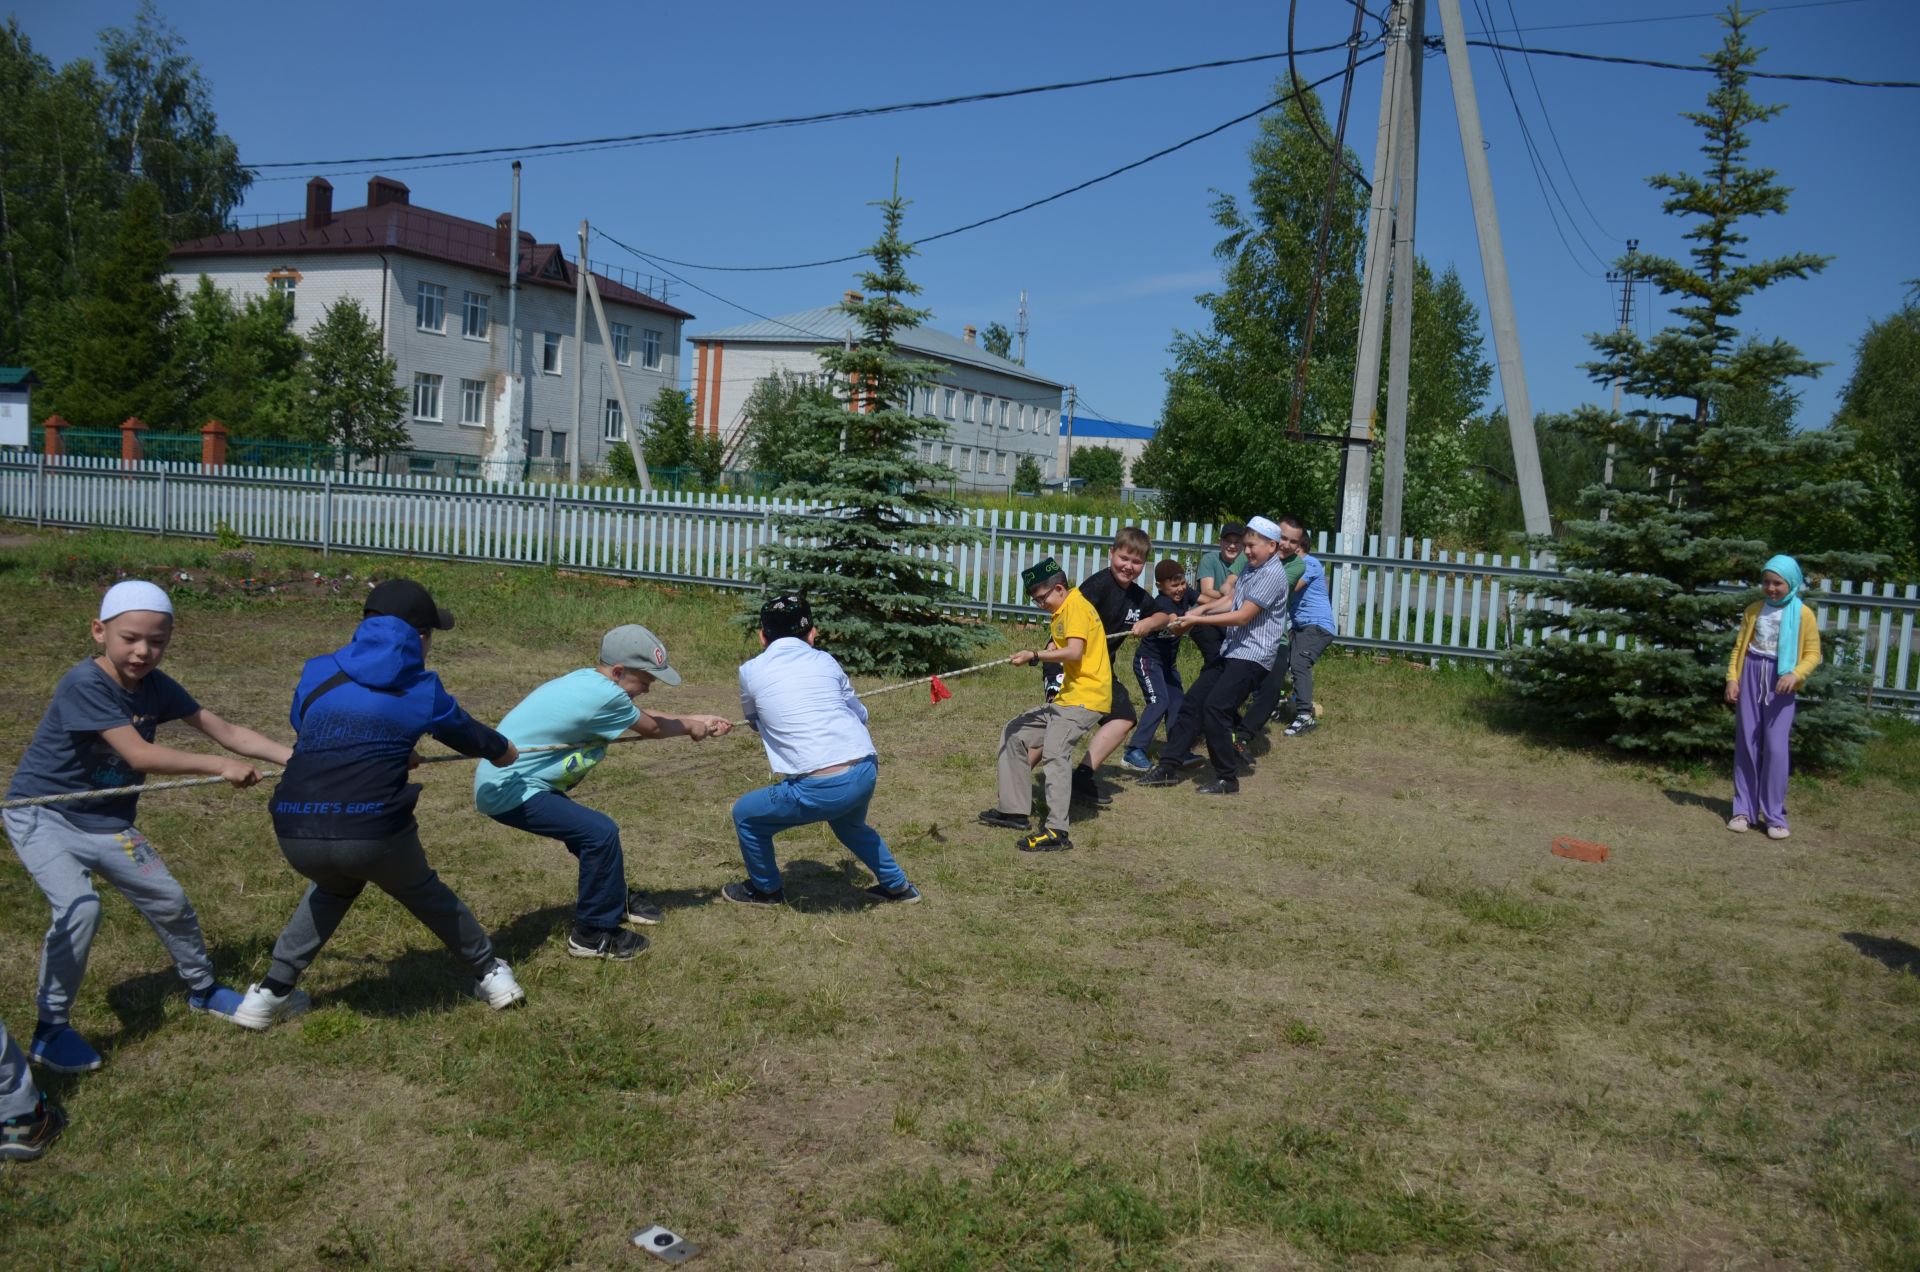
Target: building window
<point>473,402</point>
<point>430,307</point>
<point>534,439</point>
<point>967,414</point>
<point>550,352</point>
<point>1043,421</point>
<point>556,446</point>
<point>649,348</point>
<point>1003,412</point>
<point>966,459</point>
<point>473,315</point>
<point>285,283</point>
<point>949,404</point>
<point>946,455</point>
<point>426,397</point>
<point>926,451</point>
<point>613,424</point>
<point>1000,464</point>
<point>622,343</point>
<point>1020,418</point>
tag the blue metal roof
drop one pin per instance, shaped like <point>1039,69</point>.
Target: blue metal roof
<point>1094,426</point>
<point>832,325</point>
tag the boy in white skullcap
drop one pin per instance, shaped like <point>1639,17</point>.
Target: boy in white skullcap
<point>97,734</point>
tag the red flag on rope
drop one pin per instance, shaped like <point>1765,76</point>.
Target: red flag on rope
<point>938,690</point>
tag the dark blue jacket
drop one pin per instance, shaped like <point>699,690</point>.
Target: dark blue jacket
<point>348,775</point>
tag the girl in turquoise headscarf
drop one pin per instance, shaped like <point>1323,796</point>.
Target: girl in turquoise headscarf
<point>1778,648</point>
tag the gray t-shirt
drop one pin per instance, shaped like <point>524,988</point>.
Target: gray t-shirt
<point>68,754</point>
<point>1259,641</point>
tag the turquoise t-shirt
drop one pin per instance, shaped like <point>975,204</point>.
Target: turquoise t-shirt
<point>578,707</point>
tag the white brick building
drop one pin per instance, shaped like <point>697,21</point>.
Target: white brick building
<point>996,411</point>
<point>436,286</point>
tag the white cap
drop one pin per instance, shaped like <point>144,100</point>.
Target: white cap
<point>131,595</point>
<point>1264,528</point>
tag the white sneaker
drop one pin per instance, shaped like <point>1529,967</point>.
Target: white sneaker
<point>1736,824</point>
<point>1777,832</point>
<point>261,1007</point>
<point>498,989</point>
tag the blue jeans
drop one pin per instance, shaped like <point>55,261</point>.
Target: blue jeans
<point>840,801</point>
<point>1160,687</point>
<point>593,838</point>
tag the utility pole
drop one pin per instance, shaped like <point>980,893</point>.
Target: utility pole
<point>1356,459</point>
<point>1625,279</point>
<point>619,387</point>
<point>579,352</point>
<point>1023,326</point>
<point>1406,171</point>
<point>1066,465</point>
<point>1493,263</point>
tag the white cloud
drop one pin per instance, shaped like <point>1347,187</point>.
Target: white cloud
<point>1187,281</point>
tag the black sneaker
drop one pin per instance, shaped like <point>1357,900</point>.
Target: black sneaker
<point>26,1137</point>
<point>1087,790</point>
<point>617,944</point>
<point>905,894</point>
<point>744,893</point>
<point>640,908</point>
<point>1161,774</point>
<point>1222,786</point>
<point>1045,840</point>
<point>1305,722</point>
<point>1008,821</point>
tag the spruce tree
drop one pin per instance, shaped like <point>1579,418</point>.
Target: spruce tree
<point>345,392</point>
<point>862,550</point>
<point>1724,463</point>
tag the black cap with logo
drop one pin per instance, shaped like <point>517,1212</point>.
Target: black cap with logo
<point>786,615</point>
<point>410,603</point>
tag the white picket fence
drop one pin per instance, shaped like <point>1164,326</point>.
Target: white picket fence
<point>1408,599</point>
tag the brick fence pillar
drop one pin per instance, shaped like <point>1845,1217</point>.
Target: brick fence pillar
<point>130,430</point>
<point>213,444</point>
<point>55,443</point>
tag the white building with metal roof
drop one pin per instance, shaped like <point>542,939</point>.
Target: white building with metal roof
<point>995,411</point>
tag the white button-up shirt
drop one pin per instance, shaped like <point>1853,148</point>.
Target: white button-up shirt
<point>803,707</point>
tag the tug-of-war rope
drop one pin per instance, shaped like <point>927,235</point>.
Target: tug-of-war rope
<point>147,788</point>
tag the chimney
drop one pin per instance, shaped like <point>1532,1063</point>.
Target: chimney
<point>502,227</point>
<point>319,203</point>
<point>969,333</point>
<point>851,298</point>
<point>382,190</point>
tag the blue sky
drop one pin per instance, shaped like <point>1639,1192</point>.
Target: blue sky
<point>1111,273</point>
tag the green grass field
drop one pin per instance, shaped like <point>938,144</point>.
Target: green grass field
<point>1358,1016</point>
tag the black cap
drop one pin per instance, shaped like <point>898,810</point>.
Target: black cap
<point>786,615</point>
<point>410,603</point>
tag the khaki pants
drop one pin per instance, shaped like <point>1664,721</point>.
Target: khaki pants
<point>1051,730</point>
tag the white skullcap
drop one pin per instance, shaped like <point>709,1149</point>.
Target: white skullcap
<point>133,595</point>
<point>1264,528</point>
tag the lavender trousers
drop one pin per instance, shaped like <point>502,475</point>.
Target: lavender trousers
<point>1762,721</point>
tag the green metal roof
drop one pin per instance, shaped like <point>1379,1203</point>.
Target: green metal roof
<point>18,378</point>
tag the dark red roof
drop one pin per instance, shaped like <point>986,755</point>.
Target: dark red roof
<point>416,231</point>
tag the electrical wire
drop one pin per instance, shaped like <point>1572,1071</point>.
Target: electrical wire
<point>788,121</point>
<point>1293,77</point>
<point>1665,17</point>
<point>1162,153</point>
<point>1554,133</point>
<point>1698,69</point>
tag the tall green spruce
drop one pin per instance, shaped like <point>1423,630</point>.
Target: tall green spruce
<point>1713,430</point>
<point>860,551</point>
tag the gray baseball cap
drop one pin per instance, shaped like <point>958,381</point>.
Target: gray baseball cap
<point>637,649</point>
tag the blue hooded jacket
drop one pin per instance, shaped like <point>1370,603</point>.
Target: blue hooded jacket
<point>375,698</point>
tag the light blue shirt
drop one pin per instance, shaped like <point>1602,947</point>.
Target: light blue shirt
<point>803,707</point>
<point>581,706</point>
<point>1312,607</point>
<point>1259,641</point>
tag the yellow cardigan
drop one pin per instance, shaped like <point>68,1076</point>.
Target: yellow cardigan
<point>1809,643</point>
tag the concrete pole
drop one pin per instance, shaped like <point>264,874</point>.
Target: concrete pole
<point>1356,463</point>
<point>1066,465</point>
<point>579,353</point>
<point>513,306</point>
<point>1493,263</point>
<point>619,385</point>
<point>1406,170</point>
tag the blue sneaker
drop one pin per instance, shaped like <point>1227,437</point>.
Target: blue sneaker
<point>1135,758</point>
<point>59,1048</point>
<point>216,1000</point>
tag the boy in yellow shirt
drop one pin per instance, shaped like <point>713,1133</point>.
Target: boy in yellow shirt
<point>1086,694</point>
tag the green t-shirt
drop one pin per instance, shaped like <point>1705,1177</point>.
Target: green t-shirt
<point>1215,570</point>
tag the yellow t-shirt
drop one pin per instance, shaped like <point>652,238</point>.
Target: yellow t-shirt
<point>1089,681</point>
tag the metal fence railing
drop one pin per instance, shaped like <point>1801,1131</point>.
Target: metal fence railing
<point>1414,599</point>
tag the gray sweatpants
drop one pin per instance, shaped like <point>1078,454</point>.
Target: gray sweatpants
<point>18,1095</point>
<point>63,859</point>
<point>1051,730</point>
<point>341,868</point>
<point>1308,644</point>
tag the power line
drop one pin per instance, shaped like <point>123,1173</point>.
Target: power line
<point>1293,77</point>
<point>1025,207</point>
<point>787,121</point>
<point>1665,17</point>
<point>1554,134</point>
<point>1698,69</point>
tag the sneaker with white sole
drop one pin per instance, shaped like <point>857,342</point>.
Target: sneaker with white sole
<point>260,1007</point>
<point>215,1000</point>
<point>1778,832</point>
<point>905,894</point>
<point>1302,723</point>
<point>27,1137</point>
<point>1738,824</point>
<point>1135,758</point>
<point>62,1049</point>
<point>498,989</point>
<point>617,944</point>
<point>641,909</point>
